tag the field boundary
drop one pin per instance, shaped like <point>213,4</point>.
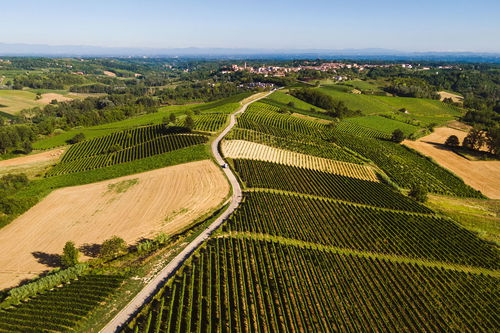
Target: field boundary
<point>365,254</point>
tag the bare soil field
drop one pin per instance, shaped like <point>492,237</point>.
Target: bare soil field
<point>303,116</point>
<point>454,97</point>
<point>481,175</point>
<point>110,74</point>
<point>48,97</point>
<point>257,151</point>
<point>132,207</point>
<point>30,164</point>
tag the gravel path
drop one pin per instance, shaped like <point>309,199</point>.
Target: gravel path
<point>157,282</point>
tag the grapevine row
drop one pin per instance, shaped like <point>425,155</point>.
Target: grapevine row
<point>237,285</point>
<point>156,146</point>
<point>288,178</point>
<point>361,228</point>
<point>62,309</point>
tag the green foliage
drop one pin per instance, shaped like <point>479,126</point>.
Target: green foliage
<point>412,87</point>
<point>360,228</point>
<point>330,292</point>
<point>452,141</point>
<point>122,147</point>
<point>112,247</point>
<point>397,136</point>
<point>70,255</point>
<point>334,108</point>
<point>61,309</point>
<point>77,138</point>
<point>15,295</point>
<point>418,192</point>
<point>406,167</point>
<point>288,178</point>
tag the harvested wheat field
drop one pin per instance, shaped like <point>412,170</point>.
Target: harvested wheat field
<point>454,97</point>
<point>30,164</point>
<point>481,175</point>
<point>131,207</point>
<point>49,97</point>
<point>110,74</point>
<point>257,151</point>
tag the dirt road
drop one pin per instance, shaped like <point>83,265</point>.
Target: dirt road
<point>152,287</point>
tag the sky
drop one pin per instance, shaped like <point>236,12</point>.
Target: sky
<point>406,25</point>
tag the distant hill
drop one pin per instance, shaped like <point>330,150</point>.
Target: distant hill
<point>368,53</point>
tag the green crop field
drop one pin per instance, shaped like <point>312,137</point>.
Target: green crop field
<point>382,124</point>
<point>13,101</point>
<point>261,174</point>
<point>131,145</point>
<point>367,86</point>
<point>242,284</point>
<point>427,111</point>
<point>283,98</point>
<point>406,167</point>
<point>62,309</point>
<point>360,228</point>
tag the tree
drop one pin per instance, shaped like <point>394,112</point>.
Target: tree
<point>114,148</point>
<point>70,255</point>
<point>493,141</point>
<point>418,192</point>
<point>77,138</point>
<point>475,139</point>
<point>189,124</point>
<point>398,136</point>
<point>291,104</point>
<point>452,141</point>
<point>172,118</point>
<point>112,247</point>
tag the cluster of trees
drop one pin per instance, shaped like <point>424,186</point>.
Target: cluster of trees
<point>17,136</point>
<point>412,87</point>
<point>197,92</point>
<point>9,204</point>
<point>334,108</point>
<point>46,81</point>
<point>478,138</point>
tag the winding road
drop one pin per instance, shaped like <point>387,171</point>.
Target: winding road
<point>158,281</point>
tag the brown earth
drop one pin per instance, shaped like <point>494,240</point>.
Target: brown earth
<point>110,74</point>
<point>31,165</point>
<point>304,116</point>
<point>132,207</point>
<point>481,175</point>
<point>454,97</point>
<point>48,97</point>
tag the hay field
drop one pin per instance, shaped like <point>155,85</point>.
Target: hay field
<point>30,164</point>
<point>481,175</point>
<point>251,150</point>
<point>132,207</point>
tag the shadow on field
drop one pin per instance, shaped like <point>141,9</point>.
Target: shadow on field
<point>90,250</point>
<point>47,259</point>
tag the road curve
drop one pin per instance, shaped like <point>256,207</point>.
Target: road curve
<point>157,282</point>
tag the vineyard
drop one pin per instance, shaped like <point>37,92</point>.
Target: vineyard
<point>208,122</point>
<point>304,145</point>
<point>352,128</point>
<point>239,149</point>
<point>242,285</point>
<point>122,147</point>
<point>313,182</point>
<point>407,168</point>
<point>361,228</point>
<point>267,118</point>
<point>62,309</point>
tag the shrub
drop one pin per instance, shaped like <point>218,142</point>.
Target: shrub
<point>77,138</point>
<point>452,141</point>
<point>418,193</point>
<point>397,136</point>
<point>70,255</point>
<point>112,247</point>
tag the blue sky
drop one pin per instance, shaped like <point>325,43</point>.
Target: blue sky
<point>438,25</point>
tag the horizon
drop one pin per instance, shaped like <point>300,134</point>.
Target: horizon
<point>449,26</point>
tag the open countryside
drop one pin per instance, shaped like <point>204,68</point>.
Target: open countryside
<point>287,175</point>
<point>132,207</point>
